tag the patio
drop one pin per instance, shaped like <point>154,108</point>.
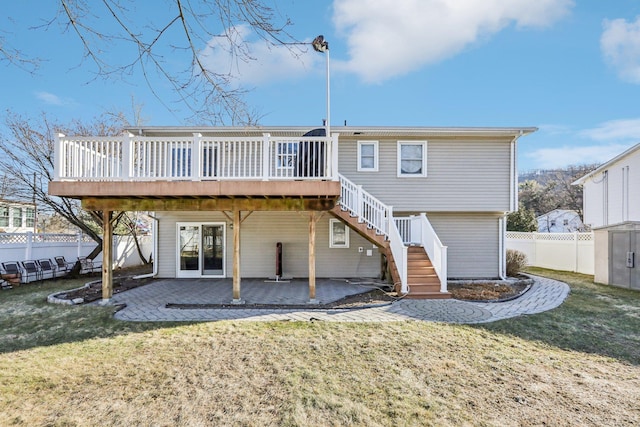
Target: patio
<point>254,291</point>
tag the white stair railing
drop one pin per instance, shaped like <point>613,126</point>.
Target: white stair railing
<point>378,216</point>
<point>417,230</point>
<point>400,255</point>
<point>365,207</point>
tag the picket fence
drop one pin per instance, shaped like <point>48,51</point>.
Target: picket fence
<point>558,251</point>
<point>34,246</point>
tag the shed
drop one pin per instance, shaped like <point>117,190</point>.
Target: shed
<point>616,249</point>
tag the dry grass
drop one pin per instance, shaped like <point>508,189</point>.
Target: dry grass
<point>302,374</point>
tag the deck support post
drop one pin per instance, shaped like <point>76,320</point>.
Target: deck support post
<point>236,257</point>
<point>312,257</point>
<point>107,251</point>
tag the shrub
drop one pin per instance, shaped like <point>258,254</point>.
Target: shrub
<point>516,261</point>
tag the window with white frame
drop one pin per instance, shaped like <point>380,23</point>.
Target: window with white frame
<point>286,155</point>
<point>17,217</point>
<point>4,216</point>
<point>412,158</point>
<point>30,217</point>
<point>338,234</point>
<point>367,156</point>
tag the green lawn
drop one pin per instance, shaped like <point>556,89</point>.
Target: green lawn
<point>76,365</point>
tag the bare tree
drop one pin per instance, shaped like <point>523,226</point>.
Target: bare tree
<point>180,32</point>
<point>26,157</point>
<point>553,190</point>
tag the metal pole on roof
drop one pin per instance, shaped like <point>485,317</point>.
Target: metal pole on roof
<point>321,45</point>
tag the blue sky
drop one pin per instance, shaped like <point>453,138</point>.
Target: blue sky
<point>570,68</point>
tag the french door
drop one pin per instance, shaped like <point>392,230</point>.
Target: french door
<point>201,249</point>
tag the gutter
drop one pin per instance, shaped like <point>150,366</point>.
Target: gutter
<point>155,250</point>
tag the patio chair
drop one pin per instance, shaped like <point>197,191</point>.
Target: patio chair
<point>31,270</point>
<point>47,268</point>
<point>62,265</point>
<point>12,272</point>
<point>88,266</point>
<point>3,283</point>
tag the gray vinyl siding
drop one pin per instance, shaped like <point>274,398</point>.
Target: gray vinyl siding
<point>462,175</point>
<point>473,243</point>
<point>260,232</point>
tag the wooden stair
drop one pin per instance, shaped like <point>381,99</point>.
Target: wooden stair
<point>360,227</point>
<point>422,279</point>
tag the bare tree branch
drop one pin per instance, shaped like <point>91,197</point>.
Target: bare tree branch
<point>149,48</point>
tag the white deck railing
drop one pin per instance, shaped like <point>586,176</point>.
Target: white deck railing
<point>417,230</point>
<point>143,158</point>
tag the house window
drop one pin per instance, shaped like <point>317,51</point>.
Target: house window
<point>31,217</point>
<point>286,157</point>
<point>367,156</point>
<point>17,217</point>
<point>338,234</point>
<point>4,216</point>
<point>553,222</point>
<point>565,222</point>
<point>412,158</point>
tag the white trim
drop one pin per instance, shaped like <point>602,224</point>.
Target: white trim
<point>198,273</point>
<point>332,243</point>
<point>423,173</point>
<point>359,167</point>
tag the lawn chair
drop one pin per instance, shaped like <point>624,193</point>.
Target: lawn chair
<point>47,268</point>
<point>88,266</point>
<point>12,272</point>
<point>63,266</point>
<point>31,270</point>
<point>3,283</point>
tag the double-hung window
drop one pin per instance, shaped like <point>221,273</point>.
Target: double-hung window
<point>338,234</point>
<point>367,156</point>
<point>31,217</point>
<point>17,217</point>
<point>4,216</point>
<point>412,158</point>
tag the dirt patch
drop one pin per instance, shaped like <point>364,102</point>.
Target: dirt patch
<point>122,281</point>
<point>489,291</point>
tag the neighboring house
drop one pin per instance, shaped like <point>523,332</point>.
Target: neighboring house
<point>612,209</point>
<point>560,221</point>
<point>430,203</point>
<point>17,217</point>
<point>610,192</point>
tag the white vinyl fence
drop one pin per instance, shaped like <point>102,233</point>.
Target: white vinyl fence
<point>34,246</point>
<point>557,251</point>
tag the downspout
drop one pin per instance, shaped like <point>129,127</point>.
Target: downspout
<point>513,206</point>
<point>513,190</point>
<point>155,250</point>
<point>501,247</point>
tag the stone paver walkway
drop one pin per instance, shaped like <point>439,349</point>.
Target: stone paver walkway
<point>148,303</point>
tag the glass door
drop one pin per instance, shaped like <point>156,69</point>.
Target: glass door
<point>200,250</point>
<point>213,250</point>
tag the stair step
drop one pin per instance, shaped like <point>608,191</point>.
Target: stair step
<point>422,281</point>
<point>428,295</point>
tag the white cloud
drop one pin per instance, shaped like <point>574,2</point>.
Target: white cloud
<point>595,145</point>
<point>51,99</point>
<point>551,158</point>
<point>620,44</point>
<point>615,130</point>
<point>388,38</point>
<point>267,63</point>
